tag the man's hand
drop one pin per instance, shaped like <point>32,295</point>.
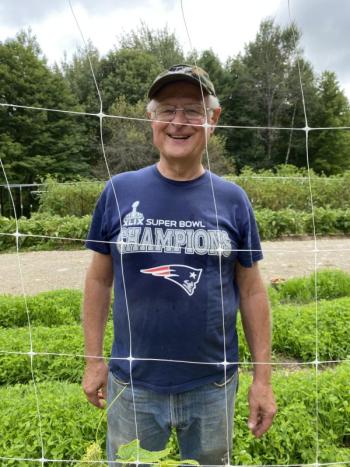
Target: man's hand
<point>262,408</point>
<point>95,382</point>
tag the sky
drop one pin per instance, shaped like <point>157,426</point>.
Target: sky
<point>223,25</point>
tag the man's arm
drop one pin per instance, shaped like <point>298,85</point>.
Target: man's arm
<point>97,297</point>
<point>255,314</point>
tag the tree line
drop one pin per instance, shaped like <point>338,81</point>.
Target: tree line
<point>260,87</point>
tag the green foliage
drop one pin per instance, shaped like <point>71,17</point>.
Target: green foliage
<point>69,422</point>
<point>129,142</point>
<point>69,199</point>
<point>50,309</point>
<point>61,339</point>
<point>294,325</point>
<point>292,437</point>
<point>35,143</point>
<point>287,222</point>
<point>72,231</point>
<point>298,331</point>
<point>332,283</point>
<point>127,72</point>
<point>159,43</point>
<point>287,187</point>
<point>334,111</point>
<point>294,331</point>
<point>219,160</point>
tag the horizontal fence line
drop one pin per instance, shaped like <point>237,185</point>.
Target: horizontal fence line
<point>226,177</point>
<point>265,250</point>
<point>102,115</point>
<point>165,360</point>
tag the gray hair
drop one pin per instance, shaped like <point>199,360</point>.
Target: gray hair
<point>212,103</point>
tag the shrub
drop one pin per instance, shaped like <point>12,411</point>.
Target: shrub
<point>72,230</point>
<point>69,199</point>
<point>288,187</point>
<point>46,308</point>
<point>288,222</point>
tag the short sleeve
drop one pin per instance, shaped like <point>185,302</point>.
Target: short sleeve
<point>249,245</point>
<point>98,233</point>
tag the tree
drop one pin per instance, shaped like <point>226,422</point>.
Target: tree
<point>37,143</point>
<point>127,72</point>
<point>267,94</point>
<point>211,63</point>
<point>330,149</point>
<point>80,79</point>
<point>160,43</point>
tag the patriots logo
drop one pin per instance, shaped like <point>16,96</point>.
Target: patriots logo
<point>184,276</point>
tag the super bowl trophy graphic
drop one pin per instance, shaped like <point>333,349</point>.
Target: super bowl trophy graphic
<point>134,217</point>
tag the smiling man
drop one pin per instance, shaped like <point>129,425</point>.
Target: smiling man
<point>182,248</point>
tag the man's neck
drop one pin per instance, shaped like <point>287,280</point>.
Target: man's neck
<point>180,171</point>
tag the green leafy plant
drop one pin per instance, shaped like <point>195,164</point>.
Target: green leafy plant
<point>46,308</point>
<point>133,452</point>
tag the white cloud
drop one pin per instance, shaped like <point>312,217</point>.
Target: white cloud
<point>223,25</point>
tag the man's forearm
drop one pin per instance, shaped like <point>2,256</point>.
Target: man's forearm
<point>255,313</point>
<point>97,299</point>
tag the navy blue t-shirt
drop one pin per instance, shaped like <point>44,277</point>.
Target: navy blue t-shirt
<point>174,274</point>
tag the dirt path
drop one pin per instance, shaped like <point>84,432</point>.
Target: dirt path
<point>50,270</point>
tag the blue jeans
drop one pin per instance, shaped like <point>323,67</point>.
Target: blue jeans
<point>204,430</point>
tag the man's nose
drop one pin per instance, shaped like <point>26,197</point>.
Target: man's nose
<point>179,117</point>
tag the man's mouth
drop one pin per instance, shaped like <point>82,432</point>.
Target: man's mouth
<point>179,137</point>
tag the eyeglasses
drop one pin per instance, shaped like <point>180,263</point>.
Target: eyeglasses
<point>194,113</point>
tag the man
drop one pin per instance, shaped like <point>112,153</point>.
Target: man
<point>181,246</point>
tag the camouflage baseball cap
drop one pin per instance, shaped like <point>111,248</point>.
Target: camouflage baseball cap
<point>192,74</point>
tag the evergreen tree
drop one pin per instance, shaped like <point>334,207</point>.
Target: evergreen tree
<point>267,94</point>
<point>330,149</point>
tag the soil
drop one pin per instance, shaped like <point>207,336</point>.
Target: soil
<point>50,270</point>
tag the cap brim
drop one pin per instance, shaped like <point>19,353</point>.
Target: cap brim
<point>159,84</point>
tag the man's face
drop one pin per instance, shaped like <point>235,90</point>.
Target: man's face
<point>176,140</point>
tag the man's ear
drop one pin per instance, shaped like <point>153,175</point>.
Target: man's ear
<point>214,118</point>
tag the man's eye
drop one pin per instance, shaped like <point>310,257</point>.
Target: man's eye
<point>165,112</point>
<point>193,112</point>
